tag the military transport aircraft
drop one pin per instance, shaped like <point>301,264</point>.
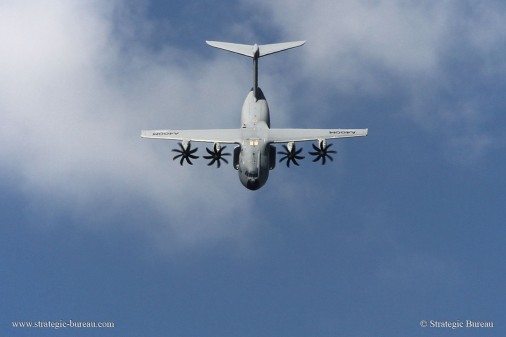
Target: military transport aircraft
<point>255,153</point>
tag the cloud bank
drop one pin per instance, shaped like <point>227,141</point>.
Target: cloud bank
<point>79,82</point>
<point>76,90</point>
<point>435,63</point>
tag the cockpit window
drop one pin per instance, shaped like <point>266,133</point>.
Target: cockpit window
<point>253,142</point>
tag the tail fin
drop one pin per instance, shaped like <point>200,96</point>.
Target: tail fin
<point>251,50</point>
<point>255,51</point>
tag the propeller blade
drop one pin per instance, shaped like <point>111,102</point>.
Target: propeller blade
<point>216,155</point>
<point>322,152</point>
<point>291,156</point>
<point>185,154</point>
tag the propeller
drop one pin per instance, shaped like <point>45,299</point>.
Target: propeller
<point>291,154</point>
<point>186,152</point>
<point>322,152</point>
<point>216,155</point>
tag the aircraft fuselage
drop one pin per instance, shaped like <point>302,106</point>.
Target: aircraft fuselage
<point>254,156</point>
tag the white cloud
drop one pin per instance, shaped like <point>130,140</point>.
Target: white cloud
<point>417,53</point>
<point>78,85</point>
<point>74,96</point>
<point>347,38</point>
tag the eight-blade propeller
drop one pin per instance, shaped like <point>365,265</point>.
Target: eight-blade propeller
<point>322,152</point>
<point>216,155</point>
<point>291,155</point>
<point>185,153</point>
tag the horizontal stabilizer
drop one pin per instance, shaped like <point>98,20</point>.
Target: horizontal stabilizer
<point>267,49</point>
<point>242,49</point>
<point>250,50</point>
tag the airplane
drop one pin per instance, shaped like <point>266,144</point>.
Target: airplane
<point>255,155</point>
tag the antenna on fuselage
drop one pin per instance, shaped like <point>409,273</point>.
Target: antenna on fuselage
<point>255,51</point>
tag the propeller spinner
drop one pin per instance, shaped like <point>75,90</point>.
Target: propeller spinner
<point>322,152</point>
<point>186,152</point>
<point>216,155</point>
<point>291,154</point>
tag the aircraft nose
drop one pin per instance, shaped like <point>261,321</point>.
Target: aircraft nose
<point>253,184</point>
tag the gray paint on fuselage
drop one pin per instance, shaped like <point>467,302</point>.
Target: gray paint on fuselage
<point>254,154</point>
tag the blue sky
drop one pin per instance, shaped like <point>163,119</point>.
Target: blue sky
<point>405,225</point>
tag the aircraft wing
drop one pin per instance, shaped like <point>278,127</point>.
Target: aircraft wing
<point>210,135</point>
<point>299,135</point>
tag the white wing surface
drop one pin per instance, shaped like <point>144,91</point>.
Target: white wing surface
<point>299,135</point>
<point>249,50</point>
<point>267,49</point>
<point>211,135</point>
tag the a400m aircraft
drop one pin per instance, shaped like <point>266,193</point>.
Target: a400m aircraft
<point>255,154</point>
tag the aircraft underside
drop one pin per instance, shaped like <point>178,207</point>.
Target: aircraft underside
<point>254,153</point>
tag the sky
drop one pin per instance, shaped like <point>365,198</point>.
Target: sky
<point>405,226</point>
